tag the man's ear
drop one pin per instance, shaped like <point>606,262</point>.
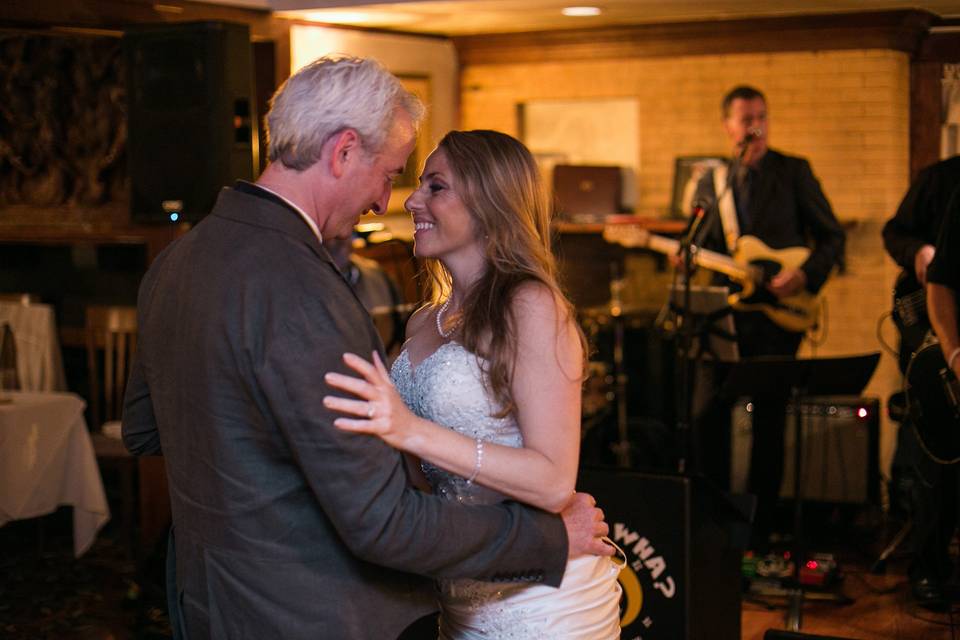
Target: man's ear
<point>726,127</point>
<point>346,146</point>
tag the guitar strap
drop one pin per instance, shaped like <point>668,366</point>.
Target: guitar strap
<point>727,207</point>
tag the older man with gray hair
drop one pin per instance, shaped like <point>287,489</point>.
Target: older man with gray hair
<point>284,526</point>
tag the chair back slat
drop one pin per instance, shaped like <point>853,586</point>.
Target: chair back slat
<point>20,298</point>
<point>112,330</point>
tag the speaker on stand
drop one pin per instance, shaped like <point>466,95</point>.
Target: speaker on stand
<point>192,122</point>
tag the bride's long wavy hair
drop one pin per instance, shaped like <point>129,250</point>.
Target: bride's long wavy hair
<point>499,183</point>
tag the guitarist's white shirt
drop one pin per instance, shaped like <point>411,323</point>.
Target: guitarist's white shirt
<point>727,207</point>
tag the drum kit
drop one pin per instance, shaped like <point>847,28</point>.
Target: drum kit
<point>633,361</point>
<point>605,391</point>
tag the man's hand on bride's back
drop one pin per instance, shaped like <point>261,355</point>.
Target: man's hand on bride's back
<point>585,527</point>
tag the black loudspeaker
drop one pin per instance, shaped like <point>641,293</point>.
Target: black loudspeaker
<point>840,455</point>
<point>192,123</point>
<point>683,540</point>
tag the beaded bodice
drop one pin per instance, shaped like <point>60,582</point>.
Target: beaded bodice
<point>447,388</point>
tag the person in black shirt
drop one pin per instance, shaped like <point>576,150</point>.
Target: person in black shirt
<point>943,284</point>
<point>911,235</point>
<point>775,198</point>
<point>932,566</point>
<point>929,489</point>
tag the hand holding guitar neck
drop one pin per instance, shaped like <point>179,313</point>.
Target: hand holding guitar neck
<point>922,260</point>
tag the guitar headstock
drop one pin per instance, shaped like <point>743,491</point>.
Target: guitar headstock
<point>626,235</point>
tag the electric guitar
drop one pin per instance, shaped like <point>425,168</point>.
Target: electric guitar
<point>910,311</point>
<point>753,264</point>
<point>933,398</point>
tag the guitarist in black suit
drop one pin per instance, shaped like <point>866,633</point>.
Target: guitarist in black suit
<point>776,198</point>
<point>910,237</point>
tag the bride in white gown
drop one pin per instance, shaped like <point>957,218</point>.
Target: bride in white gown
<point>486,392</point>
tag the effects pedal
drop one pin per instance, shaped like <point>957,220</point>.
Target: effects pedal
<point>772,565</point>
<point>819,570</point>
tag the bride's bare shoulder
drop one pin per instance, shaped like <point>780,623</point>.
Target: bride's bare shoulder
<point>419,319</point>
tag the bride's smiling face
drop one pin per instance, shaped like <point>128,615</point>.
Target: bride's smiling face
<point>444,228</point>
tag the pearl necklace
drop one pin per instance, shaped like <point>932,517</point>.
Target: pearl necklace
<point>440,312</point>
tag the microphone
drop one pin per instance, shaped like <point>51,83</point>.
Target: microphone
<point>698,214</point>
<point>699,208</point>
<point>752,134</point>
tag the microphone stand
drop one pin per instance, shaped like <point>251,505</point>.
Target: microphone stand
<point>688,251</point>
<point>700,227</point>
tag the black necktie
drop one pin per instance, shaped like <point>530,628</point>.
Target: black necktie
<point>742,180</point>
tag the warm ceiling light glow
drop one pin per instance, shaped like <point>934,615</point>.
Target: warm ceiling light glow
<point>337,17</point>
<point>364,17</point>
<point>580,11</point>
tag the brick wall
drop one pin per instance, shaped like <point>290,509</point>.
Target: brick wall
<point>846,111</point>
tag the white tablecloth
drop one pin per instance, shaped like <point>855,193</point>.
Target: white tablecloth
<point>46,460</point>
<point>39,363</point>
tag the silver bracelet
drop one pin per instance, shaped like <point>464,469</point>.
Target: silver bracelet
<point>953,356</point>
<point>477,463</point>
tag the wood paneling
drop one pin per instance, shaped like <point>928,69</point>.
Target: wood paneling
<point>901,30</point>
<point>925,99</point>
<point>942,47</point>
<point>926,73</point>
<point>113,15</point>
<point>109,222</point>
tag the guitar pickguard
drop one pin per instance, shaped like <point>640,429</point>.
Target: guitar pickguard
<point>794,313</point>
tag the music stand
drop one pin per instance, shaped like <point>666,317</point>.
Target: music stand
<point>704,325</point>
<point>800,377</point>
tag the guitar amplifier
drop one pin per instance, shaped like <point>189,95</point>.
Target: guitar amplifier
<point>840,455</point>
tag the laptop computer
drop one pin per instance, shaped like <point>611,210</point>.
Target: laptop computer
<point>587,193</point>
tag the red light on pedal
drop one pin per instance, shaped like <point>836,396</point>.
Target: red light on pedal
<point>812,564</point>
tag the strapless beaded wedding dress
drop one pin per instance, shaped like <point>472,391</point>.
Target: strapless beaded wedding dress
<point>447,388</point>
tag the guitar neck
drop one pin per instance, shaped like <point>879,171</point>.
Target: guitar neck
<point>703,257</point>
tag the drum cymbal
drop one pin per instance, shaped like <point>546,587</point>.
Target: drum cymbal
<point>613,311</point>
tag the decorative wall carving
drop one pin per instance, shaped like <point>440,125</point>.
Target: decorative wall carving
<point>62,121</point>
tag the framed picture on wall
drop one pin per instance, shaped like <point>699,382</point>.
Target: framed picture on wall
<point>418,85</point>
<point>687,172</point>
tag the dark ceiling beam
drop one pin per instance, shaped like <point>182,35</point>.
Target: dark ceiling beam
<point>116,14</point>
<point>902,30</point>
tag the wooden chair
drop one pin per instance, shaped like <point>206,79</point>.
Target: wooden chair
<point>112,330</point>
<point>9,376</point>
<point>22,298</point>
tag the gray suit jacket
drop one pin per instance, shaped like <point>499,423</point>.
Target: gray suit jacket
<point>286,527</point>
